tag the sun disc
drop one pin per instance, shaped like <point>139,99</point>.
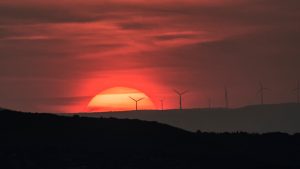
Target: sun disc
<point>118,99</point>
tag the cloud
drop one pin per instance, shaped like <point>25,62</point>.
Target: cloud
<point>175,36</point>
<point>187,44</point>
<point>136,26</point>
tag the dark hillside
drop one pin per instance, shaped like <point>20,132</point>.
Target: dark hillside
<point>44,141</point>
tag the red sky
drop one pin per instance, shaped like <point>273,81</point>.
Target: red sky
<point>56,56</point>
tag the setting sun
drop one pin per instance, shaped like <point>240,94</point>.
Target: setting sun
<point>119,99</point>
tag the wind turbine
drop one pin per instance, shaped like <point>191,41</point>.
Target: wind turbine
<point>162,104</point>
<point>226,98</point>
<point>180,94</point>
<point>261,91</point>
<point>209,103</point>
<point>298,91</point>
<point>136,102</point>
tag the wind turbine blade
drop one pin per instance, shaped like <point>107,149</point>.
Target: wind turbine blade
<point>140,99</point>
<point>176,91</point>
<point>184,92</point>
<point>132,98</point>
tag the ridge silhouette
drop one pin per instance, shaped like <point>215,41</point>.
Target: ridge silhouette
<point>253,118</point>
<point>35,141</point>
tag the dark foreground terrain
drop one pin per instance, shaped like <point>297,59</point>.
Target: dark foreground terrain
<point>43,141</point>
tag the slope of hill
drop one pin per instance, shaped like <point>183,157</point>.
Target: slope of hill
<point>256,118</point>
<point>35,141</point>
<point>50,126</point>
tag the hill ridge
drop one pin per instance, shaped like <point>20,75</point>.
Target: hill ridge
<point>252,118</point>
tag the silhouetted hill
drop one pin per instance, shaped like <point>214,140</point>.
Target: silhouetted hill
<point>44,141</point>
<point>256,118</point>
<point>49,125</point>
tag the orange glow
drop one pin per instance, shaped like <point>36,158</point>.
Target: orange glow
<point>117,99</point>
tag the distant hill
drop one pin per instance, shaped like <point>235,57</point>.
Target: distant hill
<point>45,141</point>
<point>256,118</point>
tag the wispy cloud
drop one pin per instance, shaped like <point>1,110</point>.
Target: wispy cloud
<point>199,41</point>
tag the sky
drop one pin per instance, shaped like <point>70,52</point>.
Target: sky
<point>57,56</point>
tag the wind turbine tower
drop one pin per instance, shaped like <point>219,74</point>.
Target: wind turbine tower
<point>261,91</point>
<point>136,102</point>
<point>180,94</point>
<point>162,104</point>
<point>298,91</point>
<point>209,103</point>
<point>226,98</point>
